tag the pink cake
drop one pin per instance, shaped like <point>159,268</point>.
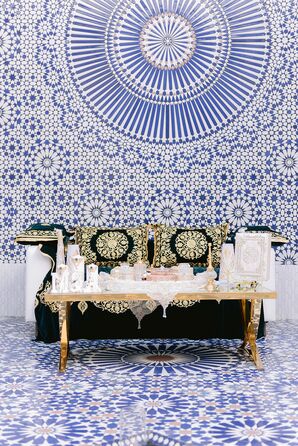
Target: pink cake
<point>157,274</point>
<point>162,277</point>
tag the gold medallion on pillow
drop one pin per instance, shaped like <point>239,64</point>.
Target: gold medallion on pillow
<point>111,246</point>
<point>188,245</point>
<point>191,245</point>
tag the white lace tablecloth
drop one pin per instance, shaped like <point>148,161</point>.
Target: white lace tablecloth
<point>161,292</point>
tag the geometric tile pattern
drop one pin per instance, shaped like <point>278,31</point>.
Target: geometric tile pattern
<point>156,358</point>
<point>99,402</point>
<point>121,112</point>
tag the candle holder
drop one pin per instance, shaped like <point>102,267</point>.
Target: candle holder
<point>77,273</point>
<point>63,277</point>
<point>92,278</point>
<point>139,270</point>
<point>211,274</point>
<point>55,283</point>
<point>60,256</point>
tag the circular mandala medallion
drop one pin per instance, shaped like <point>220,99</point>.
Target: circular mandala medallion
<point>168,41</point>
<point>191,245</point>
<point>156,358</point>
<point>163,359</point>
<point>167,71</point>
<point>112,245</point>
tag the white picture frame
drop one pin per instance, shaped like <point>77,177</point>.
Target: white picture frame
<point>252,256</point>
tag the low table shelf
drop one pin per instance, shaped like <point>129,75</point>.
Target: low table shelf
<point>251,317</point>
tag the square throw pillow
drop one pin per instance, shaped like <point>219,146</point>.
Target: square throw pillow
<point>188,245</point>
<point>110,246</point>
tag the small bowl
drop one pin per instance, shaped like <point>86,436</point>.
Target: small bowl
<point>201,279</point>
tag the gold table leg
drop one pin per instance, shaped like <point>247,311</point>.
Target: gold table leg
<point>64,334</point>
<point>244,317</point>
<point>251,326</point>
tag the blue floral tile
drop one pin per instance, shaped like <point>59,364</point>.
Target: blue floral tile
<point>184,407</point>
<point>43,430</point>
<point>174,401</point>
<point>254,433</point>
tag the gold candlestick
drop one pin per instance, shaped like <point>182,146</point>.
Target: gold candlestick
<point>210,267</point>
<point>210,271</point>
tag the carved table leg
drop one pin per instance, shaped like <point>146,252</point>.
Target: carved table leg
<point>253,326</point>
<point>244,317</point>
<point>64,334</point>
<point>251,330</point>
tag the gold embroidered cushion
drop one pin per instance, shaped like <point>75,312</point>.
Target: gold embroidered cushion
<point>41,233</point>
<point>33,236</point>
<point>110,246</point>
<point>188,245</point>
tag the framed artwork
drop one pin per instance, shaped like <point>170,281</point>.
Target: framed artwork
<point>252,256</point>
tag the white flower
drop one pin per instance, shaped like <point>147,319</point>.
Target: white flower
<point>275,98</point>
<point>54,6</point>
<point>203,158</point>
<point>287,257</point>
<point>96,213</point>
<point>153,164</point>
<point>90,138</point>
<point>238,212</point>
<point>112,148</point>
<point>131,157</point>
<point>61,97</point>
<point>287,162</point>
<point>4,112</point>
<point>167,153</point>
<point>224,149</point>
<point>266,119</point>
<point>146,148</point>
<point>53,78</point>
<point>70,120</point>
<point>182,165</point>
<point>167,211</point>
<point>246,140</point>
<point>104,132</point>
<point>44,57</point>
<point>47,162</point>
<point>189,148</point>
<point>5,41</point>
<point>125,143</point>
<point>230,133</point>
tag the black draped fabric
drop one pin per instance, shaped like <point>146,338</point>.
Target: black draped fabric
<point>206,319</point>
<point>47,321</point>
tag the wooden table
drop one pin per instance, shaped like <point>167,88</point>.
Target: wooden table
<point>251,316</point>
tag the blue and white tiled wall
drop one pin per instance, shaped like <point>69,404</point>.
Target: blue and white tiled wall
<point>118,112</point>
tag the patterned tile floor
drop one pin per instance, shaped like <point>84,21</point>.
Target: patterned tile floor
<point>173,392</point>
